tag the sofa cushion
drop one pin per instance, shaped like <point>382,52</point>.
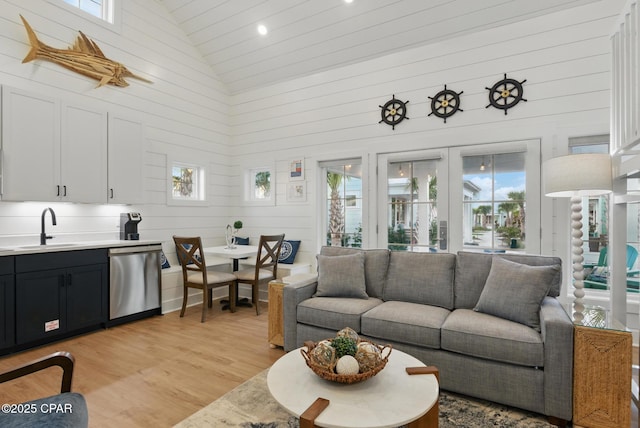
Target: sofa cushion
<point>68,409</point>
<point>404,322</point>
<point>425,278</point>
<point>472,270</point>
<point>376,263</point>
<point>334,313</point>
<point>515,291</point>
<point>341,276</point>
<point>485,336</point>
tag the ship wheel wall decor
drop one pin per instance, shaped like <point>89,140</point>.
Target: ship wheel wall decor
<point>505,94</point>
<point>393,112</point>
<point>445,104</point>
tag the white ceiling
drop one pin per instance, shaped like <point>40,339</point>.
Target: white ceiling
<point>309,36</point>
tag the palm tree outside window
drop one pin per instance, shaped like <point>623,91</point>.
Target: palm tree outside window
<point>343,226</point>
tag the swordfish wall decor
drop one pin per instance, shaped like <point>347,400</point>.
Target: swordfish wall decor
<point>503,95</point>
<point>84,57</point>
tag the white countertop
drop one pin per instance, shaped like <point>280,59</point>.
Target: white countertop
<point>52,247</point>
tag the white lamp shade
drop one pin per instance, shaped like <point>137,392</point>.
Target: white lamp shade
<point>586,174</point>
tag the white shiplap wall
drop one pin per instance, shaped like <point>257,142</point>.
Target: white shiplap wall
<point>184,112</point>
<point>564,56</point>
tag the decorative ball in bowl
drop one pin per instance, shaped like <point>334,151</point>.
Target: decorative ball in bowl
<point>345,358</point>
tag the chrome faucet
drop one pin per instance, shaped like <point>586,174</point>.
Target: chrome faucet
<point>43,235</point>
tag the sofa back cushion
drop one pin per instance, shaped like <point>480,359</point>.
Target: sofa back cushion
<point>472,270</point>
<point>376,263</point>
<point>425,278</point>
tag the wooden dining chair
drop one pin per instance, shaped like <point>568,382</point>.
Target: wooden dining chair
<point>266,267</point>
<point>196,275</point>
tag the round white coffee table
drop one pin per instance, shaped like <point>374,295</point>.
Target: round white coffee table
<point>389,399</point>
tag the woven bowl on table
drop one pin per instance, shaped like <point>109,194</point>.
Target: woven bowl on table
<point>332,376</point>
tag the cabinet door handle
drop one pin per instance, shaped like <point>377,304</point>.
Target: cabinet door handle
<point>111,190</point>
<point>58,190</point>
<point>65,190</point>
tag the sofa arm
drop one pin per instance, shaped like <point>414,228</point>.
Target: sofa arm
<point>557,334</point>
<point>297,288</point>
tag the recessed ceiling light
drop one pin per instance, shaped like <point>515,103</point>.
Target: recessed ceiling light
<point>348,1</point>
<point>262,30</point>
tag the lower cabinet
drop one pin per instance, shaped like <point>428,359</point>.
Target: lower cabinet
<point>60,293</point>
<point>7,303</point>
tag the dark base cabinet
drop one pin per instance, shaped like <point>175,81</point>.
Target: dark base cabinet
<point>60,293</point>
<point>7,303</point>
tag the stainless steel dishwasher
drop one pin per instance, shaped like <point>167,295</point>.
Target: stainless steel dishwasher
<point>134,282</point>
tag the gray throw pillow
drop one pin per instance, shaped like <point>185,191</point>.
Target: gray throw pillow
<point>341,276</point>
<point>515,291</point>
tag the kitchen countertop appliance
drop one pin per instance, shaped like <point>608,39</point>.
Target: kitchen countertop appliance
<point>134,282</point>
<point>129,226</point>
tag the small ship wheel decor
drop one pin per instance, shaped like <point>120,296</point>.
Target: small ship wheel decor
<point>445,104</point>
<point>505,94</point>
<point>393,112</point>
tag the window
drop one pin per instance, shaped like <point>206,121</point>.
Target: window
<point>412,189</point>
<point>259,185</point>
<point>187,184</point>
<point>494,201</point>
<point>102,9</point>
<point>343,184</point>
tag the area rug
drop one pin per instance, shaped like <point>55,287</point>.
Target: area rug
<point>250,405</point>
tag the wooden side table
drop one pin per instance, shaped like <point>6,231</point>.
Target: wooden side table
<point>276,314</point>
<point>601,377</point>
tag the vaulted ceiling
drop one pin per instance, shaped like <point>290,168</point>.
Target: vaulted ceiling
<point>308,36</point>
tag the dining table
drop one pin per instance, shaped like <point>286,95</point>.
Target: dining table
<point>235,253</point>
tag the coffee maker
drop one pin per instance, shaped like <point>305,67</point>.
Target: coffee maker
<point>129,226</point>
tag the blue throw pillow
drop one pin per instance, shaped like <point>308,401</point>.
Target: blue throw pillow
<point>164,263</point>
<point>288,252</point>
<point>242,241</point>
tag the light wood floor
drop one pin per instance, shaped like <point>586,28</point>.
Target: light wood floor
<point>154,372</point>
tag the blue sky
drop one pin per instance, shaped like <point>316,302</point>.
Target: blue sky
<point>504,183</point>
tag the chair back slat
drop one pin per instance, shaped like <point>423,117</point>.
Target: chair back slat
<point>190,255</point>
<point>268,253</point>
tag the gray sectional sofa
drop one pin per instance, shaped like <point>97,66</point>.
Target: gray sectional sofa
<point>490,323</point>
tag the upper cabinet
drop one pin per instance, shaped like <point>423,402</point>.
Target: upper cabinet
<point>56,151</point>
<point>126,160</point>
<point>52,151</point>
<point>30,146</point>
<point>83,154</point>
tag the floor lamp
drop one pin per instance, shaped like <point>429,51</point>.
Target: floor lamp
<point>576,176</point>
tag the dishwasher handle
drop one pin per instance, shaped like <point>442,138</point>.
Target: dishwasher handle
<point>135,249</point>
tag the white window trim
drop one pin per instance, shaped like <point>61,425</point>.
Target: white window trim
<point>115,26</point>
<point>203,171</point>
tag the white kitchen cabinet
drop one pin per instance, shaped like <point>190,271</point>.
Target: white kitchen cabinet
<point>126,160</point>
<point>52,151</point>
<point>30,146</point>
<point>83,154</point>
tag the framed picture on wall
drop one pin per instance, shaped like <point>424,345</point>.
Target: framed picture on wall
<point>296,170</point>
<point>297,191</point>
